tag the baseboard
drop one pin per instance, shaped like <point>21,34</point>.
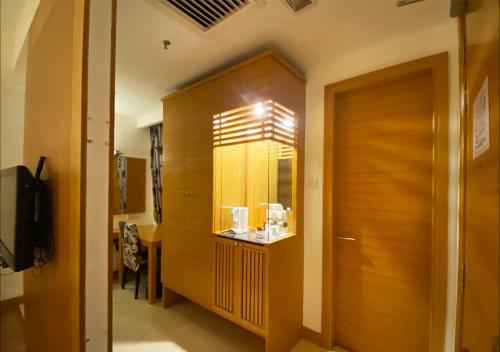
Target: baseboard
<point>14,301</point>
<point>311,335</point>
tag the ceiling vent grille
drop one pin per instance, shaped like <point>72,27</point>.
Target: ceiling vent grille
<point>406,2</point>
<point>206,13</point>
<point>297,5</point>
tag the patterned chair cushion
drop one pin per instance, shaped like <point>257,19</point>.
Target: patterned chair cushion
<point>131,247</point>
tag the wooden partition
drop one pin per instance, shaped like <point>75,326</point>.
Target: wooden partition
<point>258,287</point>
<point>55,126</point>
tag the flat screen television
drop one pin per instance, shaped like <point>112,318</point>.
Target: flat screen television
<point>17,217</point>
<point>25,219</point>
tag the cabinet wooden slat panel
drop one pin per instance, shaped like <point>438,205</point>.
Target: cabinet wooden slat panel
<point>252,288</point>
<point>224,276</point>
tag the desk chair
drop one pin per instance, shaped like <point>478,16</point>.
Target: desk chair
<point>134,255</point>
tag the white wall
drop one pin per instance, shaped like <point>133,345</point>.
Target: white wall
<point>13,69</point>
<point>12,139</point>
<point>134,142</point>
<point>368,59</point>
<point>96,217</point>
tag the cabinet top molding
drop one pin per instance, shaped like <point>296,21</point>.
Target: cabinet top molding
<point>266,54</point>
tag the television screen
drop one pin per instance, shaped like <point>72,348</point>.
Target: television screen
<point>17,217</point>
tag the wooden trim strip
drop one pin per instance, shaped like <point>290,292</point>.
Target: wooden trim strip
<point>14,301</point>
<point>311,335</point>
<point>111,136</point>
<point>461,182</point>
<point>83,170</point>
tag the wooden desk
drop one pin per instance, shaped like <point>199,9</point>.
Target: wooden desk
<point>150,238</point>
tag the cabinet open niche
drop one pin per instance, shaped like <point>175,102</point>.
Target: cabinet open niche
<point>255,172</point>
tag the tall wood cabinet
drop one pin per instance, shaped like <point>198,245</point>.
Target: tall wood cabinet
<point>187,195</point>
<point>257,286</point>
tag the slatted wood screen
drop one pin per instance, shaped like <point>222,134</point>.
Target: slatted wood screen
<point>252,286</point>
<point>224,276</point>
<point>266,120</point>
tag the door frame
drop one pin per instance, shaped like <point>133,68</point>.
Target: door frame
<point>461,184</point>
<point>438,65</point>
<point>111,139</point>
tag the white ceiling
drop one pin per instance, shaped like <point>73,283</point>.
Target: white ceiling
<point>313,37</point>
<point>16,17</point>
<point>308,39</point>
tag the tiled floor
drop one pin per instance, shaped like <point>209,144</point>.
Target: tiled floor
<point>139,327</point>
<point>187,327</point>
<point>11,329</point>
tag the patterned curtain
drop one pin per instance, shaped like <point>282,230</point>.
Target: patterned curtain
<point>122,180</point>
<point>156,133</point>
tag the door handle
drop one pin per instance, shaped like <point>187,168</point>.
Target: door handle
<point>345,238</point>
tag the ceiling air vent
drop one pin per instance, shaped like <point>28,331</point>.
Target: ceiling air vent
<point>406,2</point>
<point>206,13</point>
<point>297,5</point>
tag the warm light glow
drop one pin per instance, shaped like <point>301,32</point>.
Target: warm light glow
<point>259,110</point>
<point>288,123</point>
<point>263,120</point>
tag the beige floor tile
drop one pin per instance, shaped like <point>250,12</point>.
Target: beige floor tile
<point>184,327</point>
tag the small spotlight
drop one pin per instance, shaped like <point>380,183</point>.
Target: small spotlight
<point>289,123</point>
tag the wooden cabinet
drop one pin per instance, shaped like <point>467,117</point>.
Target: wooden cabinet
<point>225,276</point>
<point>187,195</point>
<point>251,291</point>
<point>257,287</point>
<point>240,288</point>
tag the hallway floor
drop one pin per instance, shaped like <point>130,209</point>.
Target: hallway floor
<point>184,327</point>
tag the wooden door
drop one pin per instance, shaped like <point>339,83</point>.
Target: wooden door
<point>188,263</point>
<point>383,228</point>
<point>198,178</point>
<point>173,194</point>
<point>481,226</point>
<point>224,273</point>
<point>251,286</point>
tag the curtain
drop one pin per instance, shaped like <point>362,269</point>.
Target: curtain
<point>155,134</point>
<point>122,180</point>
